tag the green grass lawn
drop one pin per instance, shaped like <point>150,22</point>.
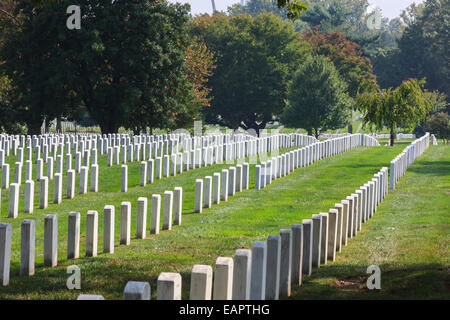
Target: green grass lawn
<point>408,238</point>
<point>248,216</point>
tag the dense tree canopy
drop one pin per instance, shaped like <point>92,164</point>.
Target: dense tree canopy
<point>317,98</point>
<point>127,65</point>
<point>346,56</point>
<point>254,58</point>
<point>406,105</point>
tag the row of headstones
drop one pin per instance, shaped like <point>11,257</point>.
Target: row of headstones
<point>434,140</point>
<point>176,163</point>
<point>14,189</point>
<point>147,173</point>
<point>282,165</point>
<point>268,270</point>
<point>221,185</point>
<point>401,163</point>
<point>172,215</point>
<point>159,147</point>
<point>205,156</point>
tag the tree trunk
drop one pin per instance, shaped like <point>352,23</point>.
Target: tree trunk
<point>34,128</point>
<point>58,125</point>
<point>316,133</point>
<point>391,143</point>
<point>309,132</point>
<point>350,129</point>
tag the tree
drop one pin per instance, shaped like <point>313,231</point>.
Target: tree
<point>439,125</point>
<point>424,46</point>
<point>199,68</point>
<point>406,105</point>
<point>126,65</point>
<point>254,59</point>
<point>317,98</point>
<point>36,54</point>
<point>346,56</point>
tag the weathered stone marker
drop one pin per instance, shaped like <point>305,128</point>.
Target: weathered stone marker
<point>317,239</point>
<point>27,247</point>
<point>43,193</point>
<point>150,170</point>
<point>285,262</point>
<point>201,282</point>
<point>136,290</point>
<point>245,176</point>
<point>108,229</point>
<point>57,188</point>
<point>208,192</point>
<point>91,233</point>
<point>143,178</point>
<point>224,185</point>
<point>216,188</point>
<point>340,217</point>
<point>73,236</point>
<point>5,252</point>
<point>167,210</point>
<point>242,274</point>
<point>125,222</point>
<point>259,266</point>
<point>324,239</point>
<point>83,180</point>
<point>141,218</point>
<point>13,210</point>
<point>307,245</point>
<point>29,196</point>
<point>50,240</point>
<point>332,234</point>
<point>273,267</point>
<point>177,205</point>
<point>232,181</point>
<point>297,253</point>
<point>345,218</point>
<point>94,178</point>
<point>223,279</point>
<point>198,196</point>
<point>155,214</point>
<point>124,180</point>
<point>70,184</point>
<point>169,286</point>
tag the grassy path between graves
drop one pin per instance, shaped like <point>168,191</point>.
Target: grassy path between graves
<point>408,238</point>
<point>248,216</point>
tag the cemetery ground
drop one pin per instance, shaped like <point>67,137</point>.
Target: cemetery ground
<point>408,236</point>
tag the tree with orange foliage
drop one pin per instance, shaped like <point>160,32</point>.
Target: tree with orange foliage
<point>199,67</point>
<point>346,56</point>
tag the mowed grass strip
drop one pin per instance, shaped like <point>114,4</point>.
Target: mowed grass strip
<point>408,238</point>
<point>248,216</point>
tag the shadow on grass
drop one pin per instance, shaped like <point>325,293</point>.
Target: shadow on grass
<point>417,281</point>
<point>437,168</point>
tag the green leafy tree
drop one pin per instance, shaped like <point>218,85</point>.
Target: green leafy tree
<point>132,63</point>
<point>126,65</point>
<point>439,125</point>
<point>317,98</point>
<point>406,105</point>
<point>37,54</point>
<point>347,57</point>
<point>254,59</point>
<point>424,46</point>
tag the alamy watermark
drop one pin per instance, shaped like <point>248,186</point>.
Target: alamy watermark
<point>374,281</point>
<point>74,280</point>
<point>74,20</point>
